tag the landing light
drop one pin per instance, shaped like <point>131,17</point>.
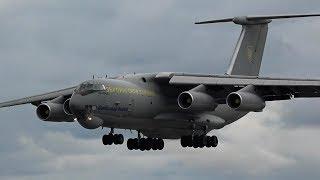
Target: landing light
<point>89,118</point>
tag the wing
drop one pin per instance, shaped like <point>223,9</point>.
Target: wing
<point>36,100</point>
<point>271,89</point>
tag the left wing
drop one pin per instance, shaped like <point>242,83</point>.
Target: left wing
<point>36,100</point>
<point>270,89</point>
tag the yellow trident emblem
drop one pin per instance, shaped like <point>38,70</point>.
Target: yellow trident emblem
<point>250,53</point>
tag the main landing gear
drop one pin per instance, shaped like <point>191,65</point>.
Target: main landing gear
<point>142,144</point>
<point>145,144</point>
<point>111,138</point>
<point>199,141</point>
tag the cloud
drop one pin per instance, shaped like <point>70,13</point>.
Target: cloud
<point>254,147</point>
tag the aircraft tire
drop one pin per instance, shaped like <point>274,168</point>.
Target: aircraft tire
<point>214,141</point>
<point>142,144</point>
<point>104,140</point>
<point>135,143</point>
<point>149,144</point>
<point>107,139</point>
<point>154,144</point>
<point>201,141</point>
<point>160,144</point>
<point>208,141</point>
<point>118,139</point>
<point>184,141</point>
<point>189,141</point>
<point>130,144</point>
<point>195,142</point>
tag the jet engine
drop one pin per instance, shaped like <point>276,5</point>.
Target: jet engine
<point>245,101</point>
<point>196,100</point>
<point>53,112</point>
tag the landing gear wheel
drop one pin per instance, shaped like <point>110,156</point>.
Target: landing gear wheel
<point>130,144</point>
<point>142,144</point>
<point>201,141</point>
<point>154,144</point>
<point>189,141</point>
<point>214,141</point>
<point>209,142</point>
<point>104,140</point>
<point>195,143</point>
<point>184,141</point>
<point>148,144</point>
<point>107,139</point>
<point>135,143</point>
<point>118,139</point>
<point>160,143</point>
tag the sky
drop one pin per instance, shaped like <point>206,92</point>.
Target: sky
<point>47,45</point>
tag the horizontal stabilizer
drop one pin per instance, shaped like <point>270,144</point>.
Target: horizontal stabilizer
<point>247,20</point>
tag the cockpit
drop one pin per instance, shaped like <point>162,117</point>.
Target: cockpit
<point>89,87</point>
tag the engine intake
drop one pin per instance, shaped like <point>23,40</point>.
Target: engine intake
<point>245,101</point>
<point>196,101</point>
<point>66,107</point>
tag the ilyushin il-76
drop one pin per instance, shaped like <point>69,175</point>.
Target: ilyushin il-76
<point>169,105</point>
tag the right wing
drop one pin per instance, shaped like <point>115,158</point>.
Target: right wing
<point>270,89</point>
<point>36,100</point>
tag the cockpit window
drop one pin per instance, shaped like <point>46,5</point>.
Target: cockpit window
<point>98,87</point>
<point>90,86</point>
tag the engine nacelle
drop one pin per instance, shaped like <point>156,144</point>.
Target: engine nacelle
<point>196,101</point>
<point>245,101</point>
<point>53,112</point>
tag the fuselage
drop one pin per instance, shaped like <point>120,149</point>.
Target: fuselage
<point>139,102</point>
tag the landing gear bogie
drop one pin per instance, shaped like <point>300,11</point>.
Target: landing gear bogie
<point>145,144</point>
<point>110,139</point>
<point>199,141</point>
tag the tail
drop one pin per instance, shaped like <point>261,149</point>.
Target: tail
<point>247,57</point>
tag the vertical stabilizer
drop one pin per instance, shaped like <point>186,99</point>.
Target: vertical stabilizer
<point>247,56</point>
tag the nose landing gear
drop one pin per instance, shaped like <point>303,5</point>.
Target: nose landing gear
<point>142,144</point>
<point>111,138</point>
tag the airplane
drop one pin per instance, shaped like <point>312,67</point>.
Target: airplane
<point>169,105</point>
